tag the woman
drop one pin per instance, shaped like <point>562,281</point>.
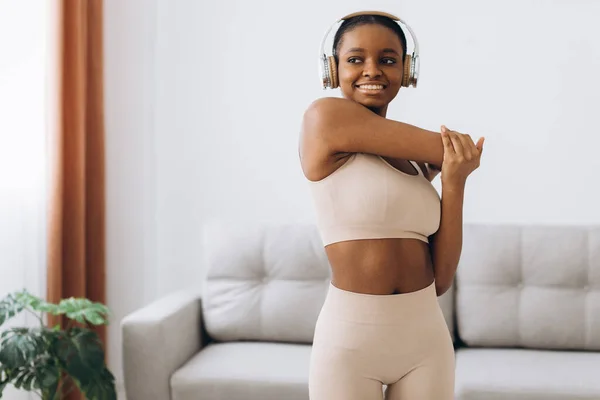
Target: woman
<point>392,243</point>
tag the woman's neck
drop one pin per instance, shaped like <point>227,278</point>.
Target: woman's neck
<point>382,112</point>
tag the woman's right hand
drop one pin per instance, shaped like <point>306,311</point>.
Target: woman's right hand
<point>461,157</point>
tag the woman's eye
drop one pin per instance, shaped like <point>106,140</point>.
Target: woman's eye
<point>353,60</point>
<point>389,61</point>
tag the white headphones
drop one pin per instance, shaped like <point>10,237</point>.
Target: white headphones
<point>328,66</point>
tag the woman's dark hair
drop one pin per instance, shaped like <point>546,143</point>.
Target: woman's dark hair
<point>359,20</point>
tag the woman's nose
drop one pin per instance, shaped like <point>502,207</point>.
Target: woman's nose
<point>371,69</point>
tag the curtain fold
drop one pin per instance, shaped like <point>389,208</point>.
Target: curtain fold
<point>76,215</point>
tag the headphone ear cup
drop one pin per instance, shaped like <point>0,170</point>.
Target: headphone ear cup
<point>406,77</point>
<point>333,72</point>
<point>325,73</point>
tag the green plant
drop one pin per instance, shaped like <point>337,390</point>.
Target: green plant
<point>52,361</point>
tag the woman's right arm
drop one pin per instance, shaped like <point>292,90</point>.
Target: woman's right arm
<point>333,125</point>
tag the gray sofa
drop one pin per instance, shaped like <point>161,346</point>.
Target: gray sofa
<point>524,312</point>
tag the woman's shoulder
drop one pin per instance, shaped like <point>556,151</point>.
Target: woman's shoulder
<point>327,115</point>
<point>317,121</point>
<point>316,157</point>
<point>328,104</point>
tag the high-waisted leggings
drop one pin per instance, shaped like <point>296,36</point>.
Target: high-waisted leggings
<point>364,342</point>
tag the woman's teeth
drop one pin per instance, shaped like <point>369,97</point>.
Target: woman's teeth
<point>371,87</point>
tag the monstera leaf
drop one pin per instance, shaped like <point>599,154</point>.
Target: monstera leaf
<point>82,311</point>
<point>9,307</point>
<point>43,359</point>
<point>19,347</point>
<point>78,309</point>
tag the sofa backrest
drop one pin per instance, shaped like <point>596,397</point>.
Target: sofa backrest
<point>268,282</point>
<point>529,286</point>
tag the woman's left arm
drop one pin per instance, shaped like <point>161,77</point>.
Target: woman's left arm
<point>446,244</point>
<point>461,157</point>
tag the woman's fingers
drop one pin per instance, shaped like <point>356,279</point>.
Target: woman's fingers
<point>456,143</point>
<point>479,145</point>
<point>463,144</point>
<point>448,148</point>
<point>468,146</point>
<point>476,149</point>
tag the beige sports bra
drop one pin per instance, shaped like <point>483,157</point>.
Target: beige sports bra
<point>367,198</point>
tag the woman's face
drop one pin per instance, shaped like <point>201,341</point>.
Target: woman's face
<point>370,66</point>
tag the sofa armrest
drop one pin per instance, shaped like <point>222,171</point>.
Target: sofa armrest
<point>157,340</point>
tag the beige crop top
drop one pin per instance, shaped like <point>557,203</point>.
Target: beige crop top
<point>367,198</point>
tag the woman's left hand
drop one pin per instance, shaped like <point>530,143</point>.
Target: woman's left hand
<point>461,157</point>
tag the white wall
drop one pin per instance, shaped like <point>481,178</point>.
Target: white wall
<point>204,101</point>
<point>130,39</point>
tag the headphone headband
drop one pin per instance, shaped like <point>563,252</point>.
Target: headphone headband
<point>413,59</point>
<point>379,13</point>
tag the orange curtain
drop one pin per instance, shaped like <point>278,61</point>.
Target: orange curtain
<point>76,218</point>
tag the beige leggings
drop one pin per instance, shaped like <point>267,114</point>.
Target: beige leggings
<point>363,342</point>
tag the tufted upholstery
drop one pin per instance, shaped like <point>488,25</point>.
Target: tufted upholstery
<point>263,283</point>
<point>268,282</point>
<point>534,287</point>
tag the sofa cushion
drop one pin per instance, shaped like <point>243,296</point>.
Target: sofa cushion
<point>264,282</point>
<point>523,374</point>
<point>244,371</point>
<point>532,287</point>
<point>269,282</point>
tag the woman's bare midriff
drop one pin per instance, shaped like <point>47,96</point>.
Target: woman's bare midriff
<point>380,266</point>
